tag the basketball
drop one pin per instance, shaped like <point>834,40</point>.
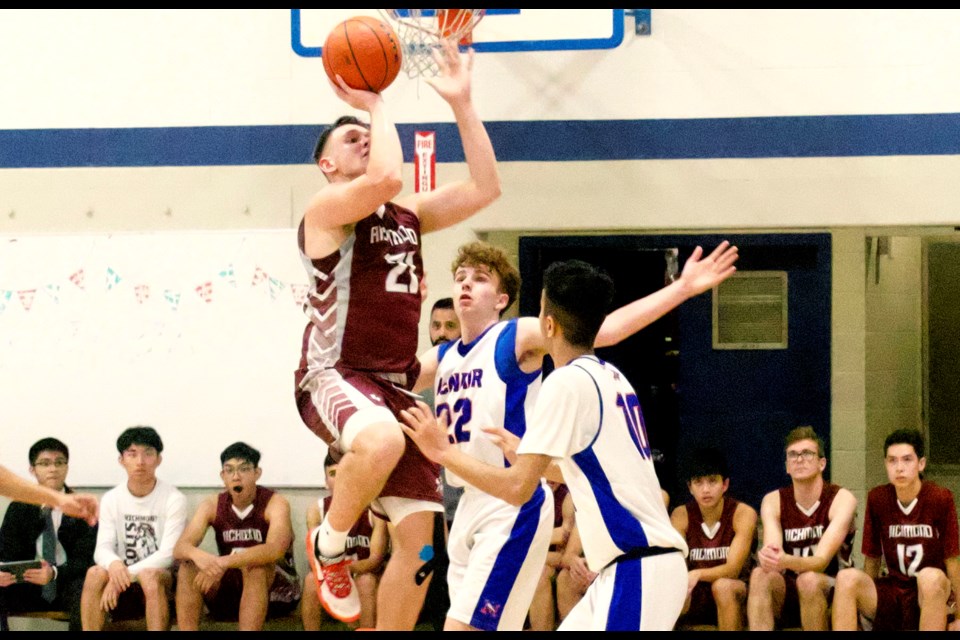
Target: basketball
<point>365,52</point>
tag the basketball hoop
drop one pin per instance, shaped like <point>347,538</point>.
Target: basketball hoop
<point>422,31</point>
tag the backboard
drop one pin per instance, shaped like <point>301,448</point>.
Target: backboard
<point>501,30</point>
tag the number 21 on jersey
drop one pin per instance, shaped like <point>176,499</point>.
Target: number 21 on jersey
<point>398,280</point>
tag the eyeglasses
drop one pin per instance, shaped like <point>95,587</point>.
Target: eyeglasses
<point>806,454</point>
<point>242,469</point>
<point>58,463</point>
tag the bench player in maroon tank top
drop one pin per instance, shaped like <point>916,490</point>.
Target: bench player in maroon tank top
<point>367,550</point>
<point>910,524</point>
<point>808,530</point>
<point>361,250</point>
<point>252,574</point>
<point>721,533</point>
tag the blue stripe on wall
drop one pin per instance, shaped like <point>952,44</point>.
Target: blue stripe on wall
<point>540,141</point>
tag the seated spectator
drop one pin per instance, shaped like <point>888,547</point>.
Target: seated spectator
<point>252,575</point>
<point>63,544</point>
<point>140,523</point>
<point>366,546</point>
<point>543,609</point>
<point>910,525</point>
<point>720,533</point>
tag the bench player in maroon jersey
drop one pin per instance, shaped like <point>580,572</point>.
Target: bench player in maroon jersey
<point>366,548</point>
<point>252,575</point>
<point>721,533</point>
<point>808,530</point>
<point>361,249</point>
<point>911,526</point>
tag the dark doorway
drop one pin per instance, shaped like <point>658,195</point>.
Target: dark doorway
<point>694,395</point>
<point>649,357</point>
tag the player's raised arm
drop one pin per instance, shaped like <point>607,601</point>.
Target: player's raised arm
<point>457,201</point>
<point>362,163</point>
<point>698,275</point>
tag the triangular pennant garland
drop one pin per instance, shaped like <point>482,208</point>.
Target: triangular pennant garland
<point>229,276</point>
<point>113,278</point>
<point>205,291</point>
<point>26,298</point>
<point>4,299</point>
<point>259,275</point>
<point>53,290</point>
<point>172,298</point>
<point>142,292</point>
<point>77,278</point>
<point>299,292</point>
<point>276,286</point>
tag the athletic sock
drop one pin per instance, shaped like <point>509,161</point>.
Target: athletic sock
<point>330,542</point>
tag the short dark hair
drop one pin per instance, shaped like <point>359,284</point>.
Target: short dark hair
<point>47,444</point>
<point>577,295</point>
<point>706,461</point>
<point>805,433</point>
<point>442,303</point>
<point>241,451</point>
<point>328,461</point>
<point>912,437</point>
<point>325,134</point>
<point>144,436</point>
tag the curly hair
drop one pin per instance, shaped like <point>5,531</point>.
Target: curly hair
<point>482,254</point>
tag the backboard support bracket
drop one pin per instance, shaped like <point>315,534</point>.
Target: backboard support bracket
<point>641,21</point>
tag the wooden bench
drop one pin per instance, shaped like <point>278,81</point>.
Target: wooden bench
<point>55,616</point>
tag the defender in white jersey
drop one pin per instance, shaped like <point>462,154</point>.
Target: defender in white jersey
<point>491,377</point>
<point>518,483</point>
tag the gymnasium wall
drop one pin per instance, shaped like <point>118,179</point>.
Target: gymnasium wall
<point>839,121</point>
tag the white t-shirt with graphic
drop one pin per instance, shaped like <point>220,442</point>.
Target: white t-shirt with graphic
<point>140,532</point>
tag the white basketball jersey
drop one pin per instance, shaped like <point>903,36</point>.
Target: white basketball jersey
<point>480,385</point>
<point>588,419</point>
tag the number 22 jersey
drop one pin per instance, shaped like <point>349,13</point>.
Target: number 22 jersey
<point>480,385</point>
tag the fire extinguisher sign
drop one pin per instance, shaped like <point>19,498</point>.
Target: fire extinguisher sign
<point>425,152</point>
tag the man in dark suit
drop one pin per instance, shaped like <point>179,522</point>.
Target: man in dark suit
<point>63,544</point>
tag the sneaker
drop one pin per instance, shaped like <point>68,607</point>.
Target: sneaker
<point>335,586</point>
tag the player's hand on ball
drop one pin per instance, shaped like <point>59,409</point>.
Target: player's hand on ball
<point>428,434</point>
<point>356,98</point>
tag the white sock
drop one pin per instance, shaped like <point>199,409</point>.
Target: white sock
<point>330,542</point>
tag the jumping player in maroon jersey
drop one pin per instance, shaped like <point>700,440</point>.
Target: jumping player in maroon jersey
<point>721,533</point>
<point>361,249</point>
<point>253,573</point>
<point>808,530</point>
<point>911,524</point>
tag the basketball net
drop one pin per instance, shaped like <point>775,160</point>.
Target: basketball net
<point>422,31</point>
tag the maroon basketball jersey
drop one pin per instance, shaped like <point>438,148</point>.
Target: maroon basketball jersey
<point>708,551</point>
<point>802,532</point>
<point>234,533</point>
<point>364,302</point>
<point>358,539</point>
<point>922,535</point>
